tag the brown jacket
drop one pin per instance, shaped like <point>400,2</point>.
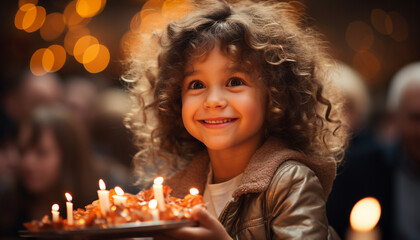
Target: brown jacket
<point>282,194</point>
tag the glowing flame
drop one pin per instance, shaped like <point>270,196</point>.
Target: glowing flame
<point>158,180</point>
<point>68,196</point>
<point>194,191</point>
<point>55,207</point>
<point>153,204</point>
<point>365,214</point>
<point>102,185</point>
<point>119,191</point>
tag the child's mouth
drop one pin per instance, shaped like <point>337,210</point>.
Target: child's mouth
<point>219,121</point>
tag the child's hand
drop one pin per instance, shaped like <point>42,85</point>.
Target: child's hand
<point>208,228</point>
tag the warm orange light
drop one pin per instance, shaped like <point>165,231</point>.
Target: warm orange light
<point>101,60</point>
<point>34,19</point>
<point>53,26</point>
<point>135,22</point>
<point>68,197</point>
<point>359,36</point>
<point>36,62</point>
<point>174,10</point>
<point>151,6</point>
<point>89,8</point>
<point>72,35</point>
<point>91,53</point>
<point>102,185</point>
<point>59,57</point>
<point>365,214</point>
<point>48,60</point>
<point>81,45</point>
<point>21,13</point>
<point>158,180</point>
<point>30,15</point>
<point>194,191</point>
<point>400,29</point>
<point>119,191</point>
<point>153,204</point>
<point>23,2</point>
<point>55,207</point>
<point>381,21</point>
<point>152,22</point>
<point>367,64</point>
<point>70,15</point>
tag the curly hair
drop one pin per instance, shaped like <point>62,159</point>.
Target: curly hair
<point>273,39</point>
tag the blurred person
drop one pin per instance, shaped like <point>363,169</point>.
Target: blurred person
<point>363,172</point>
<point>55,158</point>
<point>31,91</point>
<point>109,139</point>
<point>110,135</point>
<point>80,96</point>
<point>403,102</point>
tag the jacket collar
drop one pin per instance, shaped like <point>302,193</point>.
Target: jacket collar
<point>257,175</point>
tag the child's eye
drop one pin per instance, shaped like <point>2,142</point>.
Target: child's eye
<point>196,85</point>
<point>235,81</point>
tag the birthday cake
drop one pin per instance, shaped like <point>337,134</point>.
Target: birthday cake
<point>126,208</point>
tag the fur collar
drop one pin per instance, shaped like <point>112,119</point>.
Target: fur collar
<point>257,175</point>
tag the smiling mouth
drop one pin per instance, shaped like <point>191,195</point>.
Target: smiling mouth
<point>218,121</point>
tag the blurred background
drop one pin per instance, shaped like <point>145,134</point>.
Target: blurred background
<point>61,64</point>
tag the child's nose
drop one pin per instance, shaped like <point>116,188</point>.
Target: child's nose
<point>215,99</point>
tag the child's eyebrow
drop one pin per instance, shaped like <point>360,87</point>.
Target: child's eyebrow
<point>237,68</point>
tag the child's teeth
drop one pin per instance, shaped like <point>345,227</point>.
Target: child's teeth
<point>217,121</point>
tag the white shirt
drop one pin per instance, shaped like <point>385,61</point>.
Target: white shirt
<point>217,195</point>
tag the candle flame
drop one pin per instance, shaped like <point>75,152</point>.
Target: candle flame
<point>153,204</point>
<point>365,214</point>
<point>194,191</point>
<point>119,191</point>
<point>55,207</point>
<point>102,185</point>
<point>158,180</point>
<point>68,196</point>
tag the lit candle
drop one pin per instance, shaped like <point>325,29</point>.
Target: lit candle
<point>194,191</point>
<point>363,219</point>
<point>119,199</point>
<point>103,197</point>
<point>154,211</point>
<point>193,198</point>
<point>55,212</point>
<point>69,206</point>
<point>157,189</point>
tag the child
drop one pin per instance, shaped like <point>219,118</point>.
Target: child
<point>240,103</point>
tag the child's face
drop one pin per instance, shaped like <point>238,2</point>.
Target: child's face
<point>222,105</point>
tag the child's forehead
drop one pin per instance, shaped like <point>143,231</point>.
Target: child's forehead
<point>234,64</point>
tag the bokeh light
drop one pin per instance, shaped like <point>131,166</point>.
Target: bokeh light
<point>21,14</point>
<point>23,2</point>
<point>152,22</point>
<point>365,214</point>
<point>359,36</point>
<point>96,58</point>
<point>71,17</point>
<point>89,8</point>
<point>151,6</point>
<point>34,24</point>
<point>48,60</point>
<point>367,64</point>
<point>400,29</point>
<point>381,21</point>
<point>59,57</point>
<point>36,62</point>
<point>72,35</point>
<point>173,10</point>
<point>53,26</point>
<point>81,45</point>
